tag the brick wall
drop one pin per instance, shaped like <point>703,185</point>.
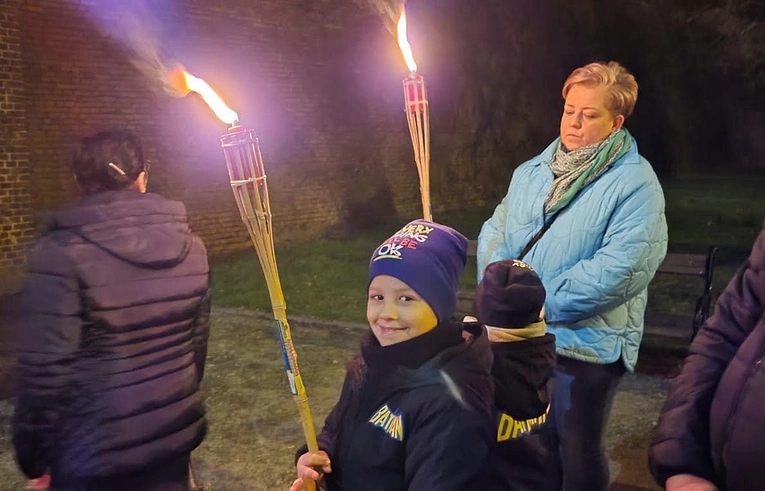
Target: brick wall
<point>15,199</point>
<point>320,81</point>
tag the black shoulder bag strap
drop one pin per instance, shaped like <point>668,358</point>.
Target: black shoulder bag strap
<point>539,234</point>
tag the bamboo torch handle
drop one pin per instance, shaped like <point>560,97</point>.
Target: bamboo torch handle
<point>301,400</point>
<point>299,394</point>
<point>248,182</point>
<point>426,213</point>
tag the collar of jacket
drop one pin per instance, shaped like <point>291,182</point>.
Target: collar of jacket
<point>412,353</point>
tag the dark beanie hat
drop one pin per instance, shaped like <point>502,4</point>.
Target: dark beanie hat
<point>510,295</point>
<point>428,257</point>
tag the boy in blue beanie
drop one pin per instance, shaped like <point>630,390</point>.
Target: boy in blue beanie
<point>415,408</point>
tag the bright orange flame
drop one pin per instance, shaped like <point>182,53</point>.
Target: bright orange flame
<point>406,48</point>
<point>184,82</point>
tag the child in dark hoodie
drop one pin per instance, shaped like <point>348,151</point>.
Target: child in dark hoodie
<point>509,301</point>
<point>415,411</point>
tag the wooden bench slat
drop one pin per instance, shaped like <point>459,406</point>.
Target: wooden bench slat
<point>667,320</point>
<point>690,264</point>
<point>665,332</point>
<point>676,269</point>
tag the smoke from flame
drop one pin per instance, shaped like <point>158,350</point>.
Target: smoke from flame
<point>135,25</point>
<point>389,10</point>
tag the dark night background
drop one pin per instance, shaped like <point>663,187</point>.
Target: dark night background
<point>499,66</point>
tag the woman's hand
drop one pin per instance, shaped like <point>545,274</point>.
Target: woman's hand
<point>307,466</point>
<point>689,482</point>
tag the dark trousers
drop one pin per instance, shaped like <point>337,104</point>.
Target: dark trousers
<point>581,405</point>
<point>169,476</point>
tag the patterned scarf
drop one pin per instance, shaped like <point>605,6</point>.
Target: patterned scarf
<point>575,170</point>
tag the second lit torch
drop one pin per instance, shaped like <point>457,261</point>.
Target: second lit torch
<point>417,116</point>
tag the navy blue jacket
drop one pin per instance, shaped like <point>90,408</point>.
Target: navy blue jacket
<point>112,340</point>
<point>415,415</point>
<point>523,374</point>
<point>711,424</point>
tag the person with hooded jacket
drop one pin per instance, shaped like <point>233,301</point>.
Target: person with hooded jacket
<point>709,434</point>
<point>113,336</point>
<point>509,301</point>
<point>415,410</point>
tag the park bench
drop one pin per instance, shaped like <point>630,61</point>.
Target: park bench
<point>656,323</point>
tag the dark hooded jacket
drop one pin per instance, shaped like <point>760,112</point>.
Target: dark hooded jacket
<point>523,377</point>
<point>711,424</point>
<point>113,339</point>
<point>415,415</point>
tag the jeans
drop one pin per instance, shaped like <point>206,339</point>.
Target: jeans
<point>581,405</point>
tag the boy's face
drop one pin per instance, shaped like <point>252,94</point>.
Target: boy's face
<point>395,312</point>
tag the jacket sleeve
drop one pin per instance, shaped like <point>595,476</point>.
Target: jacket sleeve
<point>449,448</point>
<point>681,443</point>
<point>492,245</point>
<point>48,341</point>
<point>633,246</point>
<point>348,397</point>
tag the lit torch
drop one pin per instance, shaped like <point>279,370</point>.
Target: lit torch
<point>417,115</point>
<point>248,182</point>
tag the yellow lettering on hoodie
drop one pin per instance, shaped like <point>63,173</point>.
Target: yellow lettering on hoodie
<point>511,429</point>
<point>390,422</point>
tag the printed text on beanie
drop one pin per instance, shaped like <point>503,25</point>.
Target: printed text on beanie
<point>427,256</point>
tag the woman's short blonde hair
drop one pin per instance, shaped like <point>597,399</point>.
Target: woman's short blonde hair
<point>621,85</point>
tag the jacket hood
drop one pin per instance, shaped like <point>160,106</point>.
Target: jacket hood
<point>143,229</point>
<point>522,371</point>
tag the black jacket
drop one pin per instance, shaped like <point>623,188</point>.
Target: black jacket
<point>711,424</point>
<point>112,341</point>
<point>523,374</point>
<point>414,415</point>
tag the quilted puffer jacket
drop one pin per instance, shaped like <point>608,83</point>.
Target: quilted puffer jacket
<point>112,340</point>
<point>597,258</point>
<point>711,423</point>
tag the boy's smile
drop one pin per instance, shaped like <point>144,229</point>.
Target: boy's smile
<point>395,312</point>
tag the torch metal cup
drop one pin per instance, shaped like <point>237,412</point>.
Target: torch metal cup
<point>248,182</point>
<point>418,119</point>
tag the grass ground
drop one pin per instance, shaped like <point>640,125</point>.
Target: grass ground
<point>326,278</point>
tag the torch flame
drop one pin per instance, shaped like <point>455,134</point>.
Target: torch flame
<point>406,48</point>
<point>184,82</point>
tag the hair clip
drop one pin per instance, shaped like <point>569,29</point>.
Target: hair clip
<point>114,166</point>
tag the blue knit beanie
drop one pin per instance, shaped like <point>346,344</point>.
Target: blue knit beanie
<point>428,257</point>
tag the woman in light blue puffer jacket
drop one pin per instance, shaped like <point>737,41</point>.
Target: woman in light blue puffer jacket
<point>608,237</point>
